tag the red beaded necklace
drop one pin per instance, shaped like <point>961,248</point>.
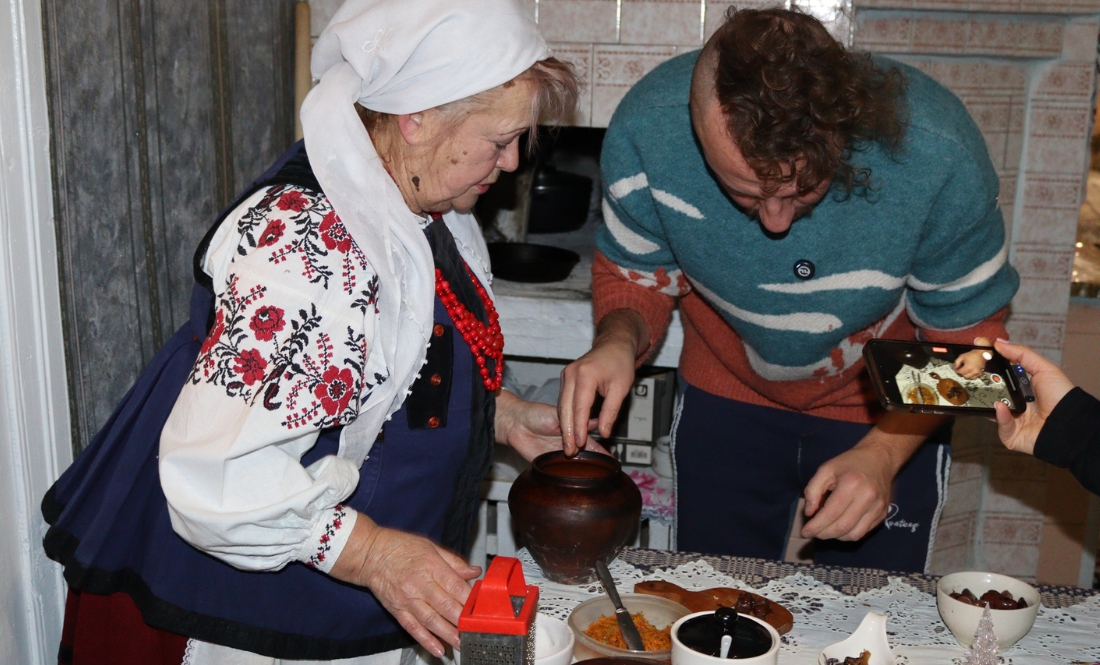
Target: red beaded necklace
<point>486,341</point>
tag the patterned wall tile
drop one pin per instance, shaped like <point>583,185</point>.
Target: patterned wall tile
<point>579,20</point>
<point>1051,207</point>
<point>1003,529</point>
<point>953,532</point>
<point>890,35</point>
<point>1065,82</point>
<point>661,22</point>
<point>615,70</point>
<point>1015,560</point>
<point>580,56</point>
<point>966,496</point>
<point>1044,332</point>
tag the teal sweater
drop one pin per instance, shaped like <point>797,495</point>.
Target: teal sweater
<point>928,240</point>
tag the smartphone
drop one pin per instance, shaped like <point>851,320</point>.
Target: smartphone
<point>920,377</point>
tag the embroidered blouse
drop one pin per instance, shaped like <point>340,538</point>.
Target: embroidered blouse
<point>288,355</point>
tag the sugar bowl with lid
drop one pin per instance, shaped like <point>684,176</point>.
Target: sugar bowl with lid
<point>711,638</point>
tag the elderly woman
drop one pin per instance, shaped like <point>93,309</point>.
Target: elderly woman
<point>291,476</point>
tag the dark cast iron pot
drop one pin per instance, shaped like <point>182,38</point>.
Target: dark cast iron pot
<point>528,262</point>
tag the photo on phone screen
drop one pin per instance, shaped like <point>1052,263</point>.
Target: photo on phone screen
<point>941,377</point>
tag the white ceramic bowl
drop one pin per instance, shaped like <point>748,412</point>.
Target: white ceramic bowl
<point>658,611</point>
<point>553,641</point>
<point>682,655</point>
<point>962,619</point>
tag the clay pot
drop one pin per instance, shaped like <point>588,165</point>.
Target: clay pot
<point>572,512</point>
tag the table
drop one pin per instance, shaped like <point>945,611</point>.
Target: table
<point>828,602</point>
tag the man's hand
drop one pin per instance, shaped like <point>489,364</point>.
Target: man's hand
<point>849,495</point>
<point>608,370</point>
<point>1019,432</point>
<point>532,428</point>
<point>971,364</point>
<point>421,584</point>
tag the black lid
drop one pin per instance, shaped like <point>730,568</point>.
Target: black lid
<point>704,634</point>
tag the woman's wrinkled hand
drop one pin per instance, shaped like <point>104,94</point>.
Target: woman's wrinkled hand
<point>532,428</point>
<point>423,585</point>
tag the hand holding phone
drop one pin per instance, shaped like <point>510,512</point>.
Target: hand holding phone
<point>924,377</point>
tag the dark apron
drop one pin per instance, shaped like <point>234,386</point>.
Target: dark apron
<point>109,518</point>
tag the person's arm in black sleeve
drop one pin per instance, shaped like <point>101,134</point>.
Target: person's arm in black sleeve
<point>1070,438</point>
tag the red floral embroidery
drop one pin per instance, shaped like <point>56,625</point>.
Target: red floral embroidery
<point>266,322</point>
<point>272,233</point>
<point>215,333</point>
<point>336,391</point>
<point>334,234</point>
<point>250,365</point>
<point>293,200</point>
<point>324,546</point>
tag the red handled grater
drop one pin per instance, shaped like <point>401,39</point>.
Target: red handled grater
<point>497,624</point>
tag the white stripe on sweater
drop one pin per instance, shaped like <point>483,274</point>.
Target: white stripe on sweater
<point>627,239</point>
<point>628,185</point>
<point>676,203</point>
<point>975,276</point>
<point>854,280</point>
<point>850,354</point>
<point>809,322</point>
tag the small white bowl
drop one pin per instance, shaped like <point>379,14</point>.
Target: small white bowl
<point>553,641</point>
<point>682,655</point>
<point>1008,625</point>
<point>660,612</point>
<point>870,636</point>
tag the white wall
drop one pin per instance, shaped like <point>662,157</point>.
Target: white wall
<point>34,419</point>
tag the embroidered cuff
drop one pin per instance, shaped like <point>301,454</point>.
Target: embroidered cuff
<point>329,536</point>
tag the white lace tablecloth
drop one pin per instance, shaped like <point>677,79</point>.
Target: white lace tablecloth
<point>824,615</point>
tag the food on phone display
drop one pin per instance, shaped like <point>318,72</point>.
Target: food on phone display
<point>862,659</point>
<point>606,630</point>
<point>918,375</point>
<point>997,600</point>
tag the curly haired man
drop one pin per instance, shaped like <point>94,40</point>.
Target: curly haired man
<point>796,199</point>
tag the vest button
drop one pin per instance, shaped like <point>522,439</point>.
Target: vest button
<point>803,269</point>
<point>433,422</point>
<point>437,330</point>
<point>436,379</point>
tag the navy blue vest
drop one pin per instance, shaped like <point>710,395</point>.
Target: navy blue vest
<point>109,519</point>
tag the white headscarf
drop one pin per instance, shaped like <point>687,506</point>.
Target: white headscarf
<point>402,56</point>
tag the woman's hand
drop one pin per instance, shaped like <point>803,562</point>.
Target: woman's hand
<point>423,585</point>
<point>532,428</point>
<point>1019,432</point>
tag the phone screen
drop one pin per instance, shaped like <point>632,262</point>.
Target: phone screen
<point>925,374</point>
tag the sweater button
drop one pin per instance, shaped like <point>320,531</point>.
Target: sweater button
<point>436,379</point>
<point>433,422</point>
<point>437,330</point>
<point>803,269</point>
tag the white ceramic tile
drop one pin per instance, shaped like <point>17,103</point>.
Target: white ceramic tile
<point>580,56</point>
<point>664,22</point>
<point>579,20</point>
<point>940,35</point>
<point>1079,40</point>
<point>615,70</point>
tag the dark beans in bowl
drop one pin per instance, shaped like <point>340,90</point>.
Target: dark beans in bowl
<point>997,600</point>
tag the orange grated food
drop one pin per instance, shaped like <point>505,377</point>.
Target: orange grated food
<point>606,630</point>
